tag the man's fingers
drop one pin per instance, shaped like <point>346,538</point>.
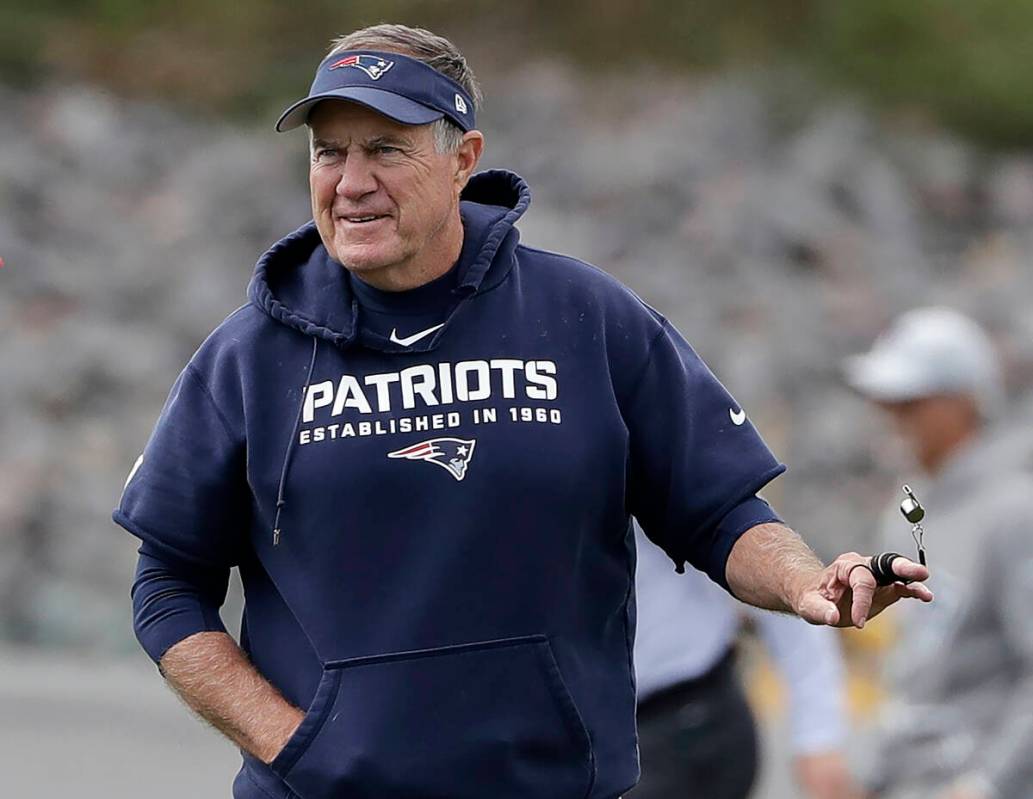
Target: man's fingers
<point>862,584</point>
<point>831,586</point>
<point>816,609</point>
<point>890,594</point>
<point>849,580</point>
<point>913,591</point>
<point>909,570</point>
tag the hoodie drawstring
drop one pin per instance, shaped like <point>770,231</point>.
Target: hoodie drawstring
<point>281,502</point>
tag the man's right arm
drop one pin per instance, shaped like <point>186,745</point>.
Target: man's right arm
<point>189,501</point>
<point>215,678</point>
<point>176,618</point>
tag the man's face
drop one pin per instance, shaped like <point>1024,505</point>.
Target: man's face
<point>382,196</point>
<point>932,427</point>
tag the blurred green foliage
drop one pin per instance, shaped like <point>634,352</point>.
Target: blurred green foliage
<point>964,62</point>
<point>968,61</point>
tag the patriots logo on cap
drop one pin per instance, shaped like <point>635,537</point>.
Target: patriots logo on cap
<point>372,65</point>
<point>452,454</point>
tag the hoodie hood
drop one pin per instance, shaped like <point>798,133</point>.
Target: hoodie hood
<point>298,284</point>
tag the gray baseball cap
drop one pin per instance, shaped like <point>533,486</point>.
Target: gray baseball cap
<point>927,352</point>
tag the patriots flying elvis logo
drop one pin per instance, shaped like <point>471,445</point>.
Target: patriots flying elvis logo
<point>372,65</point>
<point>452,454</point>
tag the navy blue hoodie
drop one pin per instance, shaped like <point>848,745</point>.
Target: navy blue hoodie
<point>434,536</point>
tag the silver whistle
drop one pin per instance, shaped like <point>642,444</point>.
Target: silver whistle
<point>914,513</point>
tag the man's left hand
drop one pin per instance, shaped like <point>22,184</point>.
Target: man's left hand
<point>845,593</point>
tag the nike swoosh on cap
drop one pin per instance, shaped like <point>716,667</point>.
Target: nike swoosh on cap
<point>408,341</point>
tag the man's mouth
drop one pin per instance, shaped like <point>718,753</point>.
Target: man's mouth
<point>361,219</point>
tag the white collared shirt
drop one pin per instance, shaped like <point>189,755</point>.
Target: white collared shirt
<point>686,623</point>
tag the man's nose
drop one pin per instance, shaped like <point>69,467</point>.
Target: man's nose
<point>357,178</point>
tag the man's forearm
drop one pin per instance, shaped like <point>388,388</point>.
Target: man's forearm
<point>215,678</point>
<point>769,566</point>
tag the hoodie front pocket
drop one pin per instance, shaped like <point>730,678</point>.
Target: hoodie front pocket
<point>460,722</point>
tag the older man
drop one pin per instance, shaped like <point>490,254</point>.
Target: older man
<point>421,442</point>
<point>959,720</point>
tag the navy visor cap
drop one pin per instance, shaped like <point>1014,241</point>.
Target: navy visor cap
<point>397,86</point>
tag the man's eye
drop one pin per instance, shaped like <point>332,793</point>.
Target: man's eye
<point>326,152</point>
<point>387,148</point>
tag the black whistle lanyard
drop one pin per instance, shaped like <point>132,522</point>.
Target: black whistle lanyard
<point>914,513</point>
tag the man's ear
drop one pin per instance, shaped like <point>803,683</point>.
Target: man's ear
<point>467,156</point>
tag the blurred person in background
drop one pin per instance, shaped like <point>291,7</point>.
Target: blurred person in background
<point>422,442</point>
<point>697,734</point>
<point>958,721</point>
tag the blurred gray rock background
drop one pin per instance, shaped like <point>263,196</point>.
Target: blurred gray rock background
<point>779,231</point>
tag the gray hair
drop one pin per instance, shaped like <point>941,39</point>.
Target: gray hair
<point>434,51</point>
